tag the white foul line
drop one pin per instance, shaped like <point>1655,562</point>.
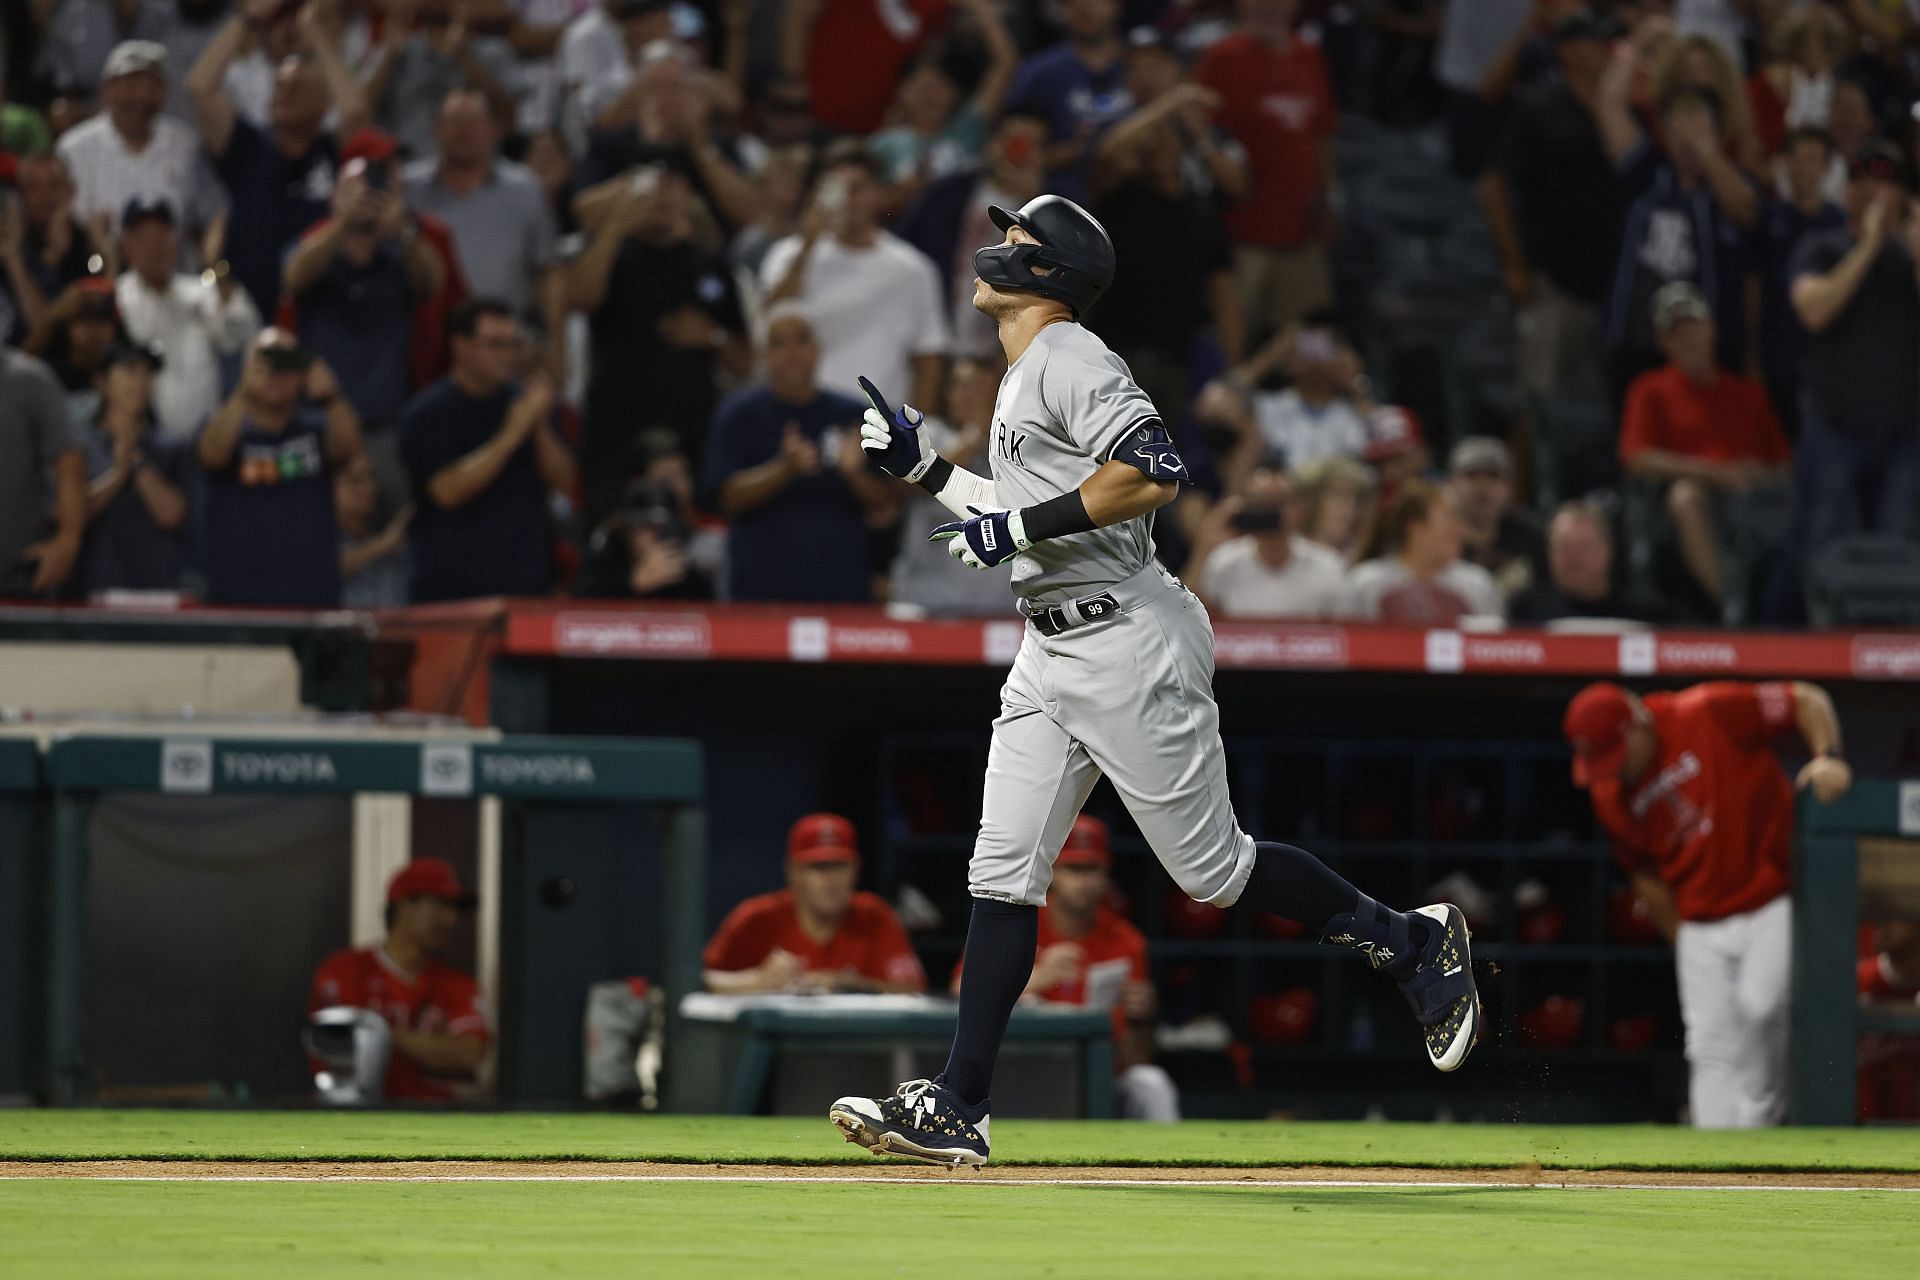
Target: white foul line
<point>956,1180</point>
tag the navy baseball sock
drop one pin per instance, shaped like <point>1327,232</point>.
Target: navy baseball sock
<point>1293,883</point>
<point>1001,939</point>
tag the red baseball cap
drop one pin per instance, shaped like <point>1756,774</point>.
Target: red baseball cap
<point>428,878</point>
<point>371,145</point>
<point>1596,726</point>
<point>822,837</point>
<point>1086,845</point>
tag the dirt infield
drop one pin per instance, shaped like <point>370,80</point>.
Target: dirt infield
<point>648,1171</point>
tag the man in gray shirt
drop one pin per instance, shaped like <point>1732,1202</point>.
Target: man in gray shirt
<point>43,480</point>
<point>502,227</point>
<point>423,60</point>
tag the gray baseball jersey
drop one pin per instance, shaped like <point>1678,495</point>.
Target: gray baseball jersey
<point>1128,694</point>
<point>1063,407</point>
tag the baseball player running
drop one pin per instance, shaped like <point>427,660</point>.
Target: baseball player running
<point>1114,676</point>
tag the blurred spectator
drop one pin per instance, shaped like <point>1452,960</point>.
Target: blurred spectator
<point>551,165</point>
<point>1168,231</point>
<point>194,319</point>
<point>536,30</point>
<point>132,152</point>
<point>665,320</point>
<point>786,468</point>
<point>683,552</point>
<point>934,132</point>
<point>641,551</point>
<point>1555,208</point>
<point>1088,952</point>
<point>1787,223</point>
<point>1852,125</point>
<point>1702,818</point>
<point>1278,105</point>
<point>435,1016</point>
<point>1721,25</point>
<point>1498,534</point>
<point>1794,89</point>
<point>922,575</point>
<point>1698,62</point>
<point>81,34</point>
<point>949,222</point>
<point>1249,563</point>
<point>819,933</point>
<point>268,452</point>
<point>353,281</point>
<point>274,31</point>
<point>42,248</point>
<point>1580,573</point>
<point>483,455</point>
<point>670,103</point>
<point>1857,461</point>
<point>1080,86</point>
<point>1699,430</point>
<point>71,337</point>
<point>596,61</point>
<point>1324,411</point>
<point>23,129</point>
<point>1338,502</point>
<point>374,565</point>
<point>1691,208</point>
<point>426,52</point>
<point>280,177</point>
<point>138,482</point>
<point>873,299</point>
<point>502,228</point>
<point>1418,577</point>
<point>1473,34</point>
<point>43,480</point>
<point>852,52</point>
<point>782,192</point>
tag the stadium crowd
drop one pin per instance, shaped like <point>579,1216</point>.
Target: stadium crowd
<point>1524,309</point>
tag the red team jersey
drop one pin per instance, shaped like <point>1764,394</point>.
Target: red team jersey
<point>1111,938</point>
<point>1279,107</point>
<point>442,1000</point>
<point>1713,815</point>
<point>871,941</point>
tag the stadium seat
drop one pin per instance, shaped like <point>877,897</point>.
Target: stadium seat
<point>1864,581</point>
<point>1575,437</point>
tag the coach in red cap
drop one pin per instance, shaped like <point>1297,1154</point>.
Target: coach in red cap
<point>434,1012</point>
<point>1088,951</point>
<point>1702,816</point>
<point>819,933</point>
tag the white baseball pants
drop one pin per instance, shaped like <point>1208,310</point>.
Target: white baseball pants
<point>1735,987</point>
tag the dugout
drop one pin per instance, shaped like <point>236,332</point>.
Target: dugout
<point>188,880</point>
<point>1857,861</point>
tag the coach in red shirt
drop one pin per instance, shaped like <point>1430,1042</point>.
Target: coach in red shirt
<point>1277,102</point>
<point>1699,429</point>
<point>1702,818</point>
<point>1084,945</point>
<point>818,933</point>
<point>434,1012</point>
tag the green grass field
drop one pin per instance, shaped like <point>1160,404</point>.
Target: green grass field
<point>941,1224</point>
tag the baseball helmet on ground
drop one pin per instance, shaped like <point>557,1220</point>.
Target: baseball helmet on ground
<point>1074,255</point>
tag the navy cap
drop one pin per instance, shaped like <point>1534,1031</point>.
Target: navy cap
<point>147,209</point>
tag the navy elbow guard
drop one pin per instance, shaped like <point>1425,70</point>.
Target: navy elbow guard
<point>1150,449</point>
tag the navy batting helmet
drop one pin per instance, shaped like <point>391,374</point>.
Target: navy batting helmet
<point>1074,255</point>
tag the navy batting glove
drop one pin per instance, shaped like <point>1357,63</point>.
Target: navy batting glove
<point>894,440</point>
<point>985,539</point>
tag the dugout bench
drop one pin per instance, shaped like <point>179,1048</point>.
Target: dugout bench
<point>545,886</point>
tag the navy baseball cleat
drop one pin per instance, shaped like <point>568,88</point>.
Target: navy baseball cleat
<point>920,1120</point>
<point>1442,991</point>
